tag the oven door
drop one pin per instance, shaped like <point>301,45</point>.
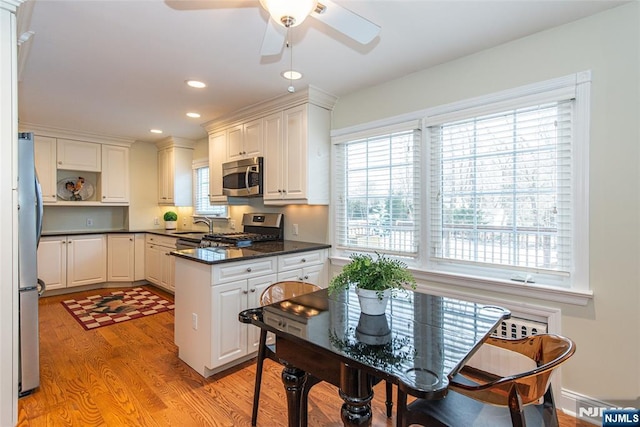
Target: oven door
<point>242,178</point>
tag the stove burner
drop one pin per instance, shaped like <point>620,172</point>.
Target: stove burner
<point>257,228</point>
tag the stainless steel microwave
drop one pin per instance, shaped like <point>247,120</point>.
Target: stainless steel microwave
<point>243,178</point>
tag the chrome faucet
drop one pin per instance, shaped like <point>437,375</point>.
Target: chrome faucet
<point>204,220</point>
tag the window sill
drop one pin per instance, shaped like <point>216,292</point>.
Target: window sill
<point>541,292</point>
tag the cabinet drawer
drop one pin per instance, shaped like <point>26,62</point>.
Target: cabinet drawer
<point>302,259</point>
<point>155,239</point>
<point>244,270</point>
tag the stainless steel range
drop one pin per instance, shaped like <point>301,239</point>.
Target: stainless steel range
<point>257,227</point>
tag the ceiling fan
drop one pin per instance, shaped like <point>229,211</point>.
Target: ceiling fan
<point>286,14</point>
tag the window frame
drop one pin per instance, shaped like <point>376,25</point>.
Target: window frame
<point>574,291</point>
<point>196,165</point>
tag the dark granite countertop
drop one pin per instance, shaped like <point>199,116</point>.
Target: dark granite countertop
<point>257,250</point>
<point>158,231</point>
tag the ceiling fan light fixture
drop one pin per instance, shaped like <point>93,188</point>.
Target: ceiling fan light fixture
<point>291,75</point>
<point>289,13</point>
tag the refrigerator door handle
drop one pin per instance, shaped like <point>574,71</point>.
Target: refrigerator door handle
<point>41,287</point>
<point>39,210</point>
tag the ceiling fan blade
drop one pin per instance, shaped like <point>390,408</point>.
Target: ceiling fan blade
<point>347,22</point>
<point>274,38</point>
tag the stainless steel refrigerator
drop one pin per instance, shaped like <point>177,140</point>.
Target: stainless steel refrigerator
<point>30,288</point>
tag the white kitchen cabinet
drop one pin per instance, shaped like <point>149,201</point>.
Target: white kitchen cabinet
<point>78,155</point>
<point>274,157</point>
<point>45,159</point>
<point>114,182</point>
<point>244,140</point>
<point>231,339</point>
<point>159,264</point>
<point>52,261</point>
<point>208,299</point>
<point>217,156</point>
<point>310,267</point>
<point>66,261</point>
<point>301,172</point>
<point>121,257</point>
<point>86,259</point>
<point>175,176</point>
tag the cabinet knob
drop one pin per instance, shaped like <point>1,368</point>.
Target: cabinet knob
<point>253,290</point>
<point>248,269</point>
<point>130,239</point>
<point>168,254</point>
<point>303,260</point>
<point>59,163</point>
<point>104,197</point>
<point>245,292</point>
<point>306,277</point>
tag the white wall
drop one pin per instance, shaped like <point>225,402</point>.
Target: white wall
<point>606,365</point>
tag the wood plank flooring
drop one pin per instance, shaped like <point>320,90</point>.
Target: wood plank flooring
<point>129,374</point>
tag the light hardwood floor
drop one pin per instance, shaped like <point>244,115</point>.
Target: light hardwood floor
<point>129,374</point>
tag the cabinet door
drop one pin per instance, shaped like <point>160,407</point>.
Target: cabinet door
<point>229,337</point>
<point>256,288</point>
<point>45,159</point>
<point>235,146</point>
<point>120,257</point>
<point>252,138</point>
<point>167,268</point>
<point>86,260</point>
<point>295,155</point>
<point>152,263</point>
<point>78,155</point>
<point>273,156</point>
<point>217,156</point>
<point>165,176</point>
<point>313,274</point>
<point>52,262</point>
<point>115,174</point>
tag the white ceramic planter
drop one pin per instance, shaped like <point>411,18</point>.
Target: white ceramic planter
<point>170,225</point>
<point>370,303</point>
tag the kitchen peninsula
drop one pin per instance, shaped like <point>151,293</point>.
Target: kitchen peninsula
<point>214,284</point>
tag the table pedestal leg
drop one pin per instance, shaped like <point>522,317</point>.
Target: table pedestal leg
<point>294,379</point>
<point>356,391</point>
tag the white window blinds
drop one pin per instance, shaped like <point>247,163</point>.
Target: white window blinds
<point>501,190</point>
<point>201,203</point>
<point>377,183</point>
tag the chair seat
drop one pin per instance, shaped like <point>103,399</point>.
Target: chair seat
<point>457,410</point>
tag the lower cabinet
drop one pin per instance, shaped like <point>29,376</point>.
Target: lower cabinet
<point>66,261</point>
<point>125,257</point>
<point>159,264</point>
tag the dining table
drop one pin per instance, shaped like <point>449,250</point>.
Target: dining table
<point>419,344</point>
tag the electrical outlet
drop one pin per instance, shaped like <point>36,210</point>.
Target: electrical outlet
<point>232,224</point>
<point>89,222</point>
<point>194,321</point>
<point>156,221</point>
<point>295,229</point>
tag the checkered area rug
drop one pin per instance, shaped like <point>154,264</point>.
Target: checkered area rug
<point>116,307</point>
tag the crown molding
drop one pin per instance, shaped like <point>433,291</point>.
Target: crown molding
<point>10,5</point>
<point>55,132</point>
<point>175,141</point>
<point>309,95</point>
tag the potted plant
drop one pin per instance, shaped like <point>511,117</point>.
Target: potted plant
<point>170,220</point>
<point>375,280</point>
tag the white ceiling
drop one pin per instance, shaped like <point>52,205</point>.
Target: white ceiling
<point>118,67</point>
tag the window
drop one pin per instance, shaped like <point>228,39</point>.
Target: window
<point>201,192</point>
<point>378,205</point>
<point>501,192</point>
<point>500,202</point>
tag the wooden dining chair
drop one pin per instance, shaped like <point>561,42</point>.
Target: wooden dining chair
<point>479,398</point>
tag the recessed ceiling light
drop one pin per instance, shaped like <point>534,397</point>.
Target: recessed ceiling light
<point>291,75</point>
<point>193,115</point>
<point>155,130</point>
<point>196,84</point>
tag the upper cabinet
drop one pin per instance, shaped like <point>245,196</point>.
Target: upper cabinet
<point>45,160</point>
<point>74,172</point>
<point>217,155</point>
<point>292,133</point>
<point>79,155</point>
<point>175,172</point>
<point>115,174</point>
